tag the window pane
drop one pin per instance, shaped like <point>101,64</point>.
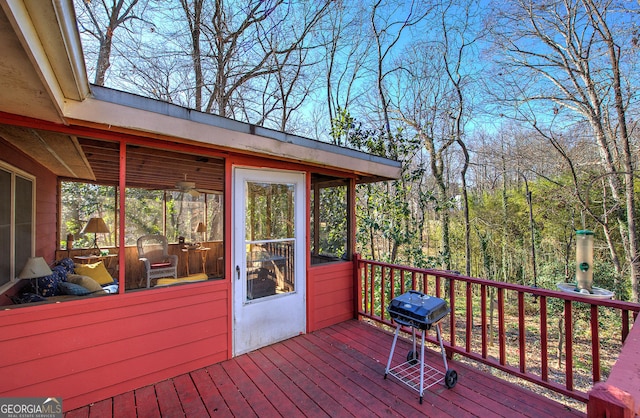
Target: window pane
<point>329,223</point>
<point>5,226</point>
<point>270,269</point>
<point>184,212</point>
<point>215,217</point>
<point>270,211</point>
<point>24,221</point>
<point>81,202</point>
<point>144,214</point>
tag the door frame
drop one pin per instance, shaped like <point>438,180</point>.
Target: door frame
<point>240,175</point>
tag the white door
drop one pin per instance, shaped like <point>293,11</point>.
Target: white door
<point>269,297</point>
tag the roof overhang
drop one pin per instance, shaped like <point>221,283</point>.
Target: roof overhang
<point>112,108</point>
<point>42,62</point>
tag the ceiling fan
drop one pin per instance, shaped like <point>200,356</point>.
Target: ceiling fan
<point>187,187</point>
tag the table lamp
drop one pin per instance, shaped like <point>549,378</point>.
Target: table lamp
<point>95,226</point>
<point>201,229</point>
<point>35,268</point>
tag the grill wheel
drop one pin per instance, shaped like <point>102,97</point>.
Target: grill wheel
<point>412,357</point>
<point>450,378</point>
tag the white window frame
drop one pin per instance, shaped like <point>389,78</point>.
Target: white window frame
<point>16,172</point>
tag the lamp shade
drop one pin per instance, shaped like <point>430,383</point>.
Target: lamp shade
<point>201,228</point>
<point>96,226</point>
<point>35,267</point>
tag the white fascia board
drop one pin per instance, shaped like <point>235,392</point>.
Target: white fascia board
<point>178,122</point>
<point>69,52</point>
<point>66,16</point>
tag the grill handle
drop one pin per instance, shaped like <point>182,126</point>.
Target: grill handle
<point>403,322</point>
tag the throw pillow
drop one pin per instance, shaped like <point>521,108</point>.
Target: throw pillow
<point>86,282</point>
<point>67,263</point>
<point>68,288</point>
<point>48,285</point>
<point>96,271</point>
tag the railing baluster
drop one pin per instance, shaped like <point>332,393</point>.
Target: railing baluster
<point>469,317</point>
<point>595,343</point>
<point>625,325</point>
<point>544,358</point>
<point>413,280</point>
<point>452,315</point>
<point>568,337</point>
<point>361,284</point>
<point>483,316</point>
<point>521,333</point>
<point>392,283</point>
<point>438,293</point>
<point>501,334</point>
<point>372,290</point>
<point>383,291</point>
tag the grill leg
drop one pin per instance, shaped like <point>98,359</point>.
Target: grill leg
<point>413,335</point>
<point>444,356</point>
<point>393,349</point>
<point>421,365</point>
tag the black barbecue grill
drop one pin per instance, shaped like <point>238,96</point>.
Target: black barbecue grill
<point>419,311</point>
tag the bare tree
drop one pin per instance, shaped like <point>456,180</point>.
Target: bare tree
<point>389,21</point>
<point>567,66</point>
<point>102,19</point>
<point>460,33</point>
<point>346,46</point>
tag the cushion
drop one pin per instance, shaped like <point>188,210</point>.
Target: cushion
<point>68,265</point>
<point>61,271</point>
<point>48,285</point>
<point>68,288</point>
<point>27,298</point>
<point>170,280</point>
<point>86,282</point>
<point>110,288</point>
<point>160,265</point>
<point>97,271</point>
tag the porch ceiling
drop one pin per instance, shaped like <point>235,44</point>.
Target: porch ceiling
<point>152,168</point>
<point>71,157</point>
<point>60,153</point>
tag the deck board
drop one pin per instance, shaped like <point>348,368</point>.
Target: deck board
<point>334,372</point>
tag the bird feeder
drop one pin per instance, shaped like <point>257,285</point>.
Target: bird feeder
<point>584,260</point>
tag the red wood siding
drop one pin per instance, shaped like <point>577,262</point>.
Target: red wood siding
<point>331,297</point>
<point>46,198</point>
<point>91,349</point>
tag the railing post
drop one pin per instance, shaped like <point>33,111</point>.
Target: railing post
<point>357,284</point>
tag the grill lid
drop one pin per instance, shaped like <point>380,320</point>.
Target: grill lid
<point>417,309</point>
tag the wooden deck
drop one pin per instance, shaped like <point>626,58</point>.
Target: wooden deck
<point>335,372</point>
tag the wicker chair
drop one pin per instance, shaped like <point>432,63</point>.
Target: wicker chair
<point>158,263</point>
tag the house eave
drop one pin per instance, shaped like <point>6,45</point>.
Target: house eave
<point>46,64</point>
<point>116,109</point>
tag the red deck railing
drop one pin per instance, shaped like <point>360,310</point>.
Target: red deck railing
<point>527,321</point>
